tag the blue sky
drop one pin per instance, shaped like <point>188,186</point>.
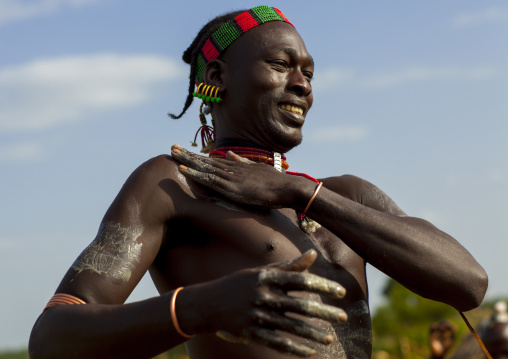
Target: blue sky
<point>411,96</point>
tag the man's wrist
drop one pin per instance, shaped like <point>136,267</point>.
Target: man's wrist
<point>298,192</point>
<point>187,312</point>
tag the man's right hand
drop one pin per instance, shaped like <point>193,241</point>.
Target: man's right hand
<point>250,305</point>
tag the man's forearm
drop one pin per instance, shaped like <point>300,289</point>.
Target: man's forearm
<point>410,250</point>
<point>135,330</point>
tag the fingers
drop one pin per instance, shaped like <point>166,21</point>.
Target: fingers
<point>303,282</point>
<point>197,162</point>
<point>204,178</point>
<point>298,264</point>
<point>273,340</point>
<point>206,164</point>
<point>231,156</point>
<point>291,325</point>
<point>227,336</point>
<point>268,338</point>
<point>305,307</point>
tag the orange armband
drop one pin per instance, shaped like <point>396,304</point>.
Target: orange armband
<point>62,298</point>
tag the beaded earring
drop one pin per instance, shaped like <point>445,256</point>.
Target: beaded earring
<point>204,94</point>
<point>207,132</point>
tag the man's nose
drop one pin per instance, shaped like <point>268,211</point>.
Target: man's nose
<point>299,84</point>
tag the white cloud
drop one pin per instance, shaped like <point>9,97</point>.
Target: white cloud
<point>338,134</point>
<point>13,10</point>
<point>25,151</point>
<point>483,16</point>
<point>49,92</point>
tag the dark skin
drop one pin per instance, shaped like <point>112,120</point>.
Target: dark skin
<point>225,229</point>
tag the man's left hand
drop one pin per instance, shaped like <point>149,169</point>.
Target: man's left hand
<point>237,178</point>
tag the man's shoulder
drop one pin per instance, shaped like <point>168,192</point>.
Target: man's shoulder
<point>345,179</point>
<point>152,173</point>
<point>158,167</point>
<point>156,184</point>
<point>362,191</point>
<point>346,185</point>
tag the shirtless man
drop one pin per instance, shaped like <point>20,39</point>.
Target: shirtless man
<point>230,232</point>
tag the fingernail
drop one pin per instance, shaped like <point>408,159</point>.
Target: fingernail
<point>182,167</point>
<point>341,291</point>
<point>343,317</point>
<point>329,339</point>
<point>312,352</point>
<point>176,151</point>
<point>177,146</point>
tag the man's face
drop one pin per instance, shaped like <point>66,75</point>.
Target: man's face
<point>268,91</point>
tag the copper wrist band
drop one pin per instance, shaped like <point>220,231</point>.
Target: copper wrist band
<point>312,198</point>
<point>62,298</point>
<point>173,314</point>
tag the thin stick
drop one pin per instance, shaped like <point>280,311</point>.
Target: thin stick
<point>475,335</point>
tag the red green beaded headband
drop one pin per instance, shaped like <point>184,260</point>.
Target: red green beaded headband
<point>231,31</point>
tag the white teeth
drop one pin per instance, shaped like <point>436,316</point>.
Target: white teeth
<point>291,108</point>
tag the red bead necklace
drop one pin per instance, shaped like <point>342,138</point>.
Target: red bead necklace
<point>253,154</point>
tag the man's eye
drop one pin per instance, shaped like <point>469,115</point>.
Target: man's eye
<point>280,64</point>
<point>308,75</point>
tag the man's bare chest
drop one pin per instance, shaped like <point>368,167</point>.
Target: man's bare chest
<point>215,237</point>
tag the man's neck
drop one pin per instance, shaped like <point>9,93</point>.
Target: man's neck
<point>250,151</point>
<point>235,142</point>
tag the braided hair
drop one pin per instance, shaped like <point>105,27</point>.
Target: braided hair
<point>191,54</point>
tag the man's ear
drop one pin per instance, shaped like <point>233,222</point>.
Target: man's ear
<point>214,72</point>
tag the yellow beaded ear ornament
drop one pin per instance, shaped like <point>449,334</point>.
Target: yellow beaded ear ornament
<point>216,97</point>
<point>205,92</point>
<point>207,132</point>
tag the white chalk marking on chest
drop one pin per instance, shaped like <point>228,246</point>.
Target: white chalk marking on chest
<point>345,339</point>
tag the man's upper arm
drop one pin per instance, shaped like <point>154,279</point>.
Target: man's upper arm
<point>129,238</point>
<point>364,192</point>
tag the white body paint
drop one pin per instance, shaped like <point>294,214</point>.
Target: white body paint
<point>182,178</point>
<point>345,339</point>
<point>114,251</point>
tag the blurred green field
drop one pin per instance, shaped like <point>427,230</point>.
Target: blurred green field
<point>11,354</point>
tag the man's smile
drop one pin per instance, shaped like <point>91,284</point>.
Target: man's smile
<point>291,108</point>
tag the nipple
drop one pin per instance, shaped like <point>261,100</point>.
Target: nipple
<point>270,245</point>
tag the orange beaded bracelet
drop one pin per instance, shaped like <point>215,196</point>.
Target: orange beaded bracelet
<point>173,314</point>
